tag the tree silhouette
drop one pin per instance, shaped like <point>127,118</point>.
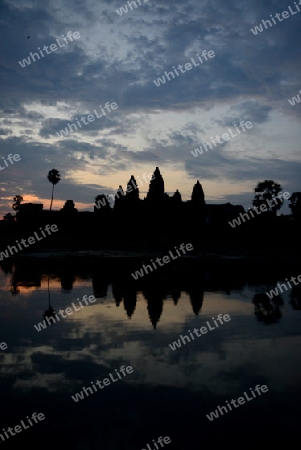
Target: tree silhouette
<point>295,205</point>
<point>9,218</point>
<point>101,202</point>
<point>53,177</point>
<point>267,190</point>
<point>69,206</point>
<point>17,199</point>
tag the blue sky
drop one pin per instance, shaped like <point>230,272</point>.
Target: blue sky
<point>116,59</point>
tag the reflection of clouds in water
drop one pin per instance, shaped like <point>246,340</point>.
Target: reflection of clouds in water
<point>51,383</point>
<point>85,351</point>
<point>99,338</point>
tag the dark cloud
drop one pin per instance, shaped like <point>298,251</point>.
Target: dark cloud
<point>251,111</point>
<point>116,59</point>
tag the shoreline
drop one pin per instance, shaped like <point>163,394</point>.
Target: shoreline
<point>226,255</point>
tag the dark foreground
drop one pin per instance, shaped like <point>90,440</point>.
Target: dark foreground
<point>169,392</point>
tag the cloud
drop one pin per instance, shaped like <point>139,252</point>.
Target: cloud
<point>116,59</point>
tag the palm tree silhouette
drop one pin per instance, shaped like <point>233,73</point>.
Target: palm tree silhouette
<point>53,177</point>
<point>17,199</point>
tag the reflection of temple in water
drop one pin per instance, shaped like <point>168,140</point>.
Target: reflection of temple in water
<point>111,278</point>
<point>130,300</point>
<point>196,295</point>
<point>154,303</point>
<point>67,281</point>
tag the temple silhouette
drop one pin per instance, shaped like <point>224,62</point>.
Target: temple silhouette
<point>159,221</point>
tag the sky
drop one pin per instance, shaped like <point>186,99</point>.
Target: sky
<point>116,58</point>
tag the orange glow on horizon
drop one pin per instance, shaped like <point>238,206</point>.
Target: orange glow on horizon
<point>29,198</point>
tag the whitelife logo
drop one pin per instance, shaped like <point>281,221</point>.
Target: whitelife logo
<point>188,67</point>
<point>124,9</point>
<point>50,320</point>
<point>275,292</point>
<point>166,440</point>
<point>35,417</point>
<point>284,14</point>
<point>165,259</point>
<point>224,137</point>
<point>31,240</point>
<point>294,100</point>
<point>203,330</point>
<point>89,117</point>
<point>9,158</point>
<point>53,48</point>
<point>263,208</point>
<point>3,346</point>
<point>131,185</point>
<point>80,395</point>
<point>241,401</point>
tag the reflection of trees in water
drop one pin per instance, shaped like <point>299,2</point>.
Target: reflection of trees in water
<point>265,310</point>
<point>295,296</point>
<point>50,312</point>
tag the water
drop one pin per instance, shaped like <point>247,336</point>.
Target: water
<point>132,323</point>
